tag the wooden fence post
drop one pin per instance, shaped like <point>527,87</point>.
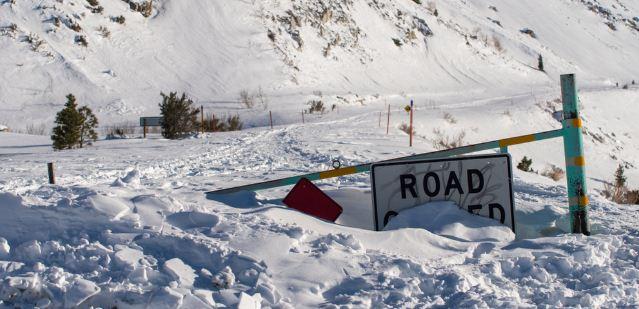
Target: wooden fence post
<point>144,123</point>
<point>270,116</point>
<point>51,172</point>
<point>388,120</point>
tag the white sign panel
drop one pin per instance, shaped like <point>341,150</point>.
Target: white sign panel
<point>481,185</point>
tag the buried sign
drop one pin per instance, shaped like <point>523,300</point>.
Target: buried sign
<point>481,185</point>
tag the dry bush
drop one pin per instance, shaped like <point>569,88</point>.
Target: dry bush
<point>614,193</point>
<point>554,172</point>
<point>406,128</point>
<point>247,99</point>
<point>497,44</point>
<point>443,142</point>
<point>104,32</point>
<point>36,129</point>
<point>120,131</point>
<point>316,106</point>
<point>214,124</point>
<point>93,2</point>
<point>261,98</point>
<point>82,40</point>
<point>449,118</point>
<point>118,19</point>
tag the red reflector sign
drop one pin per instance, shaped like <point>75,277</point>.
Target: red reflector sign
<point>309,199</point>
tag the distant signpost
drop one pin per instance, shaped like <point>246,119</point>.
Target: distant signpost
<point>150,122</point>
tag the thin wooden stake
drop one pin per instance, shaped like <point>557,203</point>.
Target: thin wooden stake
<point>380,120</point>
<point>202,117</point>
<point>410,143</point>
<point>270,115</point>
<point>51,173</point>
<point>388,120</point>
<point>302,116</point>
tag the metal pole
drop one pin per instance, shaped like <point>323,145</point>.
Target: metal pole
<point>144,123</point>
<point>51,173</point>
<point>410,143</point>
<point>366,166</point>
<point>575,160</point>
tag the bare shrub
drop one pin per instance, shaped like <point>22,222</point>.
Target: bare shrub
<point>261,98</point>
<point>36,129</point>
<point>617,191</point>
<point>442,141</point>
<point>73,25</point>
<point>118,19</point>
<point>93,2</point>
<point>214,124</point>
<point>34,41</point>
<point>406,128</point>
<point>497,44</point>
<point>554,172</point>
<point>247,99</point>
<point>120,131</point>
<point>316,106</point>
<point>104,32</point>
<point>82,40</point>
<point>449,118</point>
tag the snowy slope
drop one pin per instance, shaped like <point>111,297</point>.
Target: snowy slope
<point>214,49</point>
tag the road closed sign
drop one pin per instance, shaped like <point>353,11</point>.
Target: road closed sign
<point>481,185</point>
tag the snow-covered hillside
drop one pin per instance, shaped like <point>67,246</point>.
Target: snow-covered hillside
<point>214,49</point>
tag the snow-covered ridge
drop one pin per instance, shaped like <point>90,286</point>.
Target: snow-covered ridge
<point>214,49</point>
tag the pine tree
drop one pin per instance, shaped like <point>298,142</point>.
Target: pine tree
<point>87,129</point>
<point>69,121</point>
<point>540,63</point>
<point>178,115</point>
<point>620,178</point>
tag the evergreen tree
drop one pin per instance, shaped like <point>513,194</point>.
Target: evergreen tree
<point>69,121</point>
<point>620,178</point>
<point>87,129</point>
<point>75,127</point>
<point>178,115</point>
<point>540,63</point>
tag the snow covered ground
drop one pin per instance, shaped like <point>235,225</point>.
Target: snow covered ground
<point>129,225</point>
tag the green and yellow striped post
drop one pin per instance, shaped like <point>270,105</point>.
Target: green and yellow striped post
<point>574,152</point>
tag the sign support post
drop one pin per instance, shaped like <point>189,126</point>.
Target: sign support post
<point>574,153</point>
<point>144,130</point>
<point>388,119</point>
<point>410,142</point>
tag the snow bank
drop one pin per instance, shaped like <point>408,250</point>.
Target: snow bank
<point>447,219</point>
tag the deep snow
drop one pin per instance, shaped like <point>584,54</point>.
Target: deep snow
<point>128,223</point>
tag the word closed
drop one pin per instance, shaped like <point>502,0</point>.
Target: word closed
<point>481,185</point>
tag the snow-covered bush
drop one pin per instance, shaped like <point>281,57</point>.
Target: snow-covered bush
<point>443,142</point>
